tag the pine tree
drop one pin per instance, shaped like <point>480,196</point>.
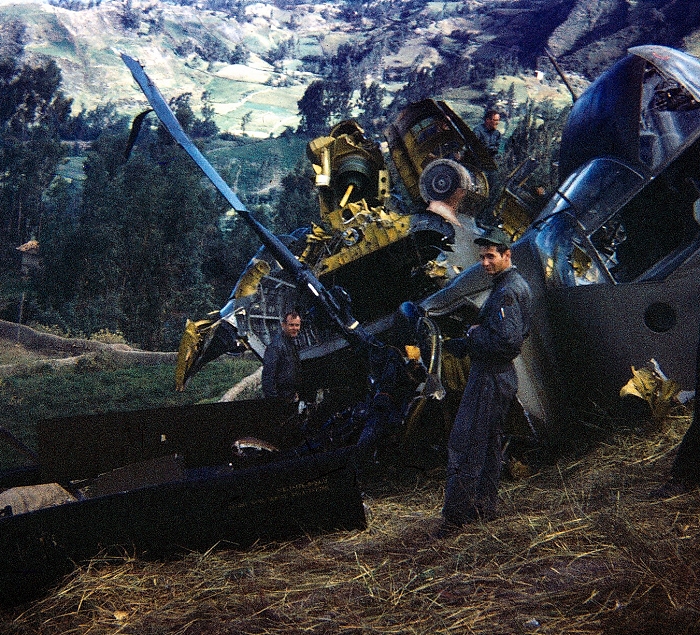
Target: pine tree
<point>313,109</point>
<point>131,257</point>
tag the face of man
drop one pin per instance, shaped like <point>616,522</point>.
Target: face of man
<point>291,326</point>
<point>492,261</point>
<point>493,121</point>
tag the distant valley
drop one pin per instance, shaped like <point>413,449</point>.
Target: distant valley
<point>252,62</point>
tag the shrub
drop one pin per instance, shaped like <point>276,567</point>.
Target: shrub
<point>108,337</point>
<point>100,361</point>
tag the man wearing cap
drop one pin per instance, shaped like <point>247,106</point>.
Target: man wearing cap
<point>474,447</point>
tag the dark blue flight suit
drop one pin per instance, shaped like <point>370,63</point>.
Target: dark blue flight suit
<point>490,138</point>
<point>474,448</point>
<point>281,368</point>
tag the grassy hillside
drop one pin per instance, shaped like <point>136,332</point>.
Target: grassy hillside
<point>174,41</point>
<point>97,383</point>
<point>86,45</point>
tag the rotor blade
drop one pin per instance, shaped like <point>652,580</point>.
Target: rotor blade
<point>347,324</point>
<point>167,117</point>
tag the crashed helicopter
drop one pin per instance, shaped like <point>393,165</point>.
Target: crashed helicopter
<point>612,256</point>
<point>365,233</point>
<point>612,259</point>
<point>187,478</point>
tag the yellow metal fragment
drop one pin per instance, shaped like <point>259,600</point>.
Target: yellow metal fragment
<point>190,345</point>
<point>654,387</point>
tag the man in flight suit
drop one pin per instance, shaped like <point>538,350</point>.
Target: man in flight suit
<point>488,131</point>
<point>474,447</point>
<point>281,368</point>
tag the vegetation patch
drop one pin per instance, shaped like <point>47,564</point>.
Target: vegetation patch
<point>12,352</point>
<point>99,383</point>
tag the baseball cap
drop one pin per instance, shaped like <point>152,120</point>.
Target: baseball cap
<point>494,236</point>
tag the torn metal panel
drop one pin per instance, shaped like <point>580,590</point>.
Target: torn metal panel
<point>169,480</point>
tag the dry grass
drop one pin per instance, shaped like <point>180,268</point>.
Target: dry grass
<point>578,548</point>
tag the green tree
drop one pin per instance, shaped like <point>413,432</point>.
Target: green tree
<point>13,35</point>
<point>129,16</point>
<point>131,257</point>
<point>372,117</point>
<point>511,101</point>
<point>325,102</point>
<point>313,112</point>
<point>182,108</point>
<point>298,202</point>
<point>245,120</point>
<point>32,109</point>
<point>193,125</point>
<point>87,125</point>
<point>538,136</point>
<point>282,50</point>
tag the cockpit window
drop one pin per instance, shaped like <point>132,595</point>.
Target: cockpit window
<point>657,228</point>
<point>669,118</point>
<point>603,227</point>
<point>597,191</point>
<point>567,258</point>
<point>426,128</point>
<point>585,205</point>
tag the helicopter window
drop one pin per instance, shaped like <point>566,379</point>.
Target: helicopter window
<point>660,229</point>
<point>565,254</point>
<point>670,115</point>
<point>555,205</point>
<point>585,205</point>
<point>586,270</point>
<point>450,150</point>
<point>599,189</point>
<point>426,128</point>
<point>606,240</point>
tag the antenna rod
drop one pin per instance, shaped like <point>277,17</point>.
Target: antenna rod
<point>552,59</point>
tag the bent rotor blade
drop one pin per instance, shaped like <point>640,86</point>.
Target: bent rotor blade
<point>167,117</point>
<point>343,320</point>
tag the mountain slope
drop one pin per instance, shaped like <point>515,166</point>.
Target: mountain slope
<point>289,45</point>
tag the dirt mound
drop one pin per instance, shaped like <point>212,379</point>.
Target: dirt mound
<point>22,346</point>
